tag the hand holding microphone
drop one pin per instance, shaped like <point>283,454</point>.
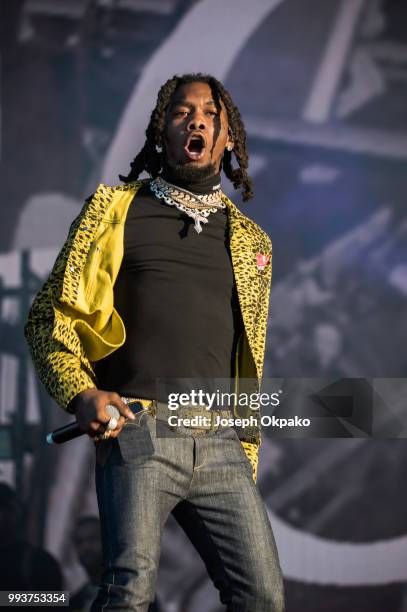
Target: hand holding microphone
<point>100,414</point>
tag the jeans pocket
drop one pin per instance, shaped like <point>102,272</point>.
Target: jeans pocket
<point>229,433</point>
<point>134,442</point>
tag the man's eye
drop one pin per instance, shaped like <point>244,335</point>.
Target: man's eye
<point>212,113</point>
<point>178,113</point>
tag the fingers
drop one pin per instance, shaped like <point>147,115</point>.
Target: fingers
<point>115,432</point>
<point>103,416</point>
<point>116,400</point>
<point>99,426</point>
<point>112,433</point>
<point>96,429</point>
<point>93,416</point>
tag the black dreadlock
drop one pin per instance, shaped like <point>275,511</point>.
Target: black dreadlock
<point>150,160</point>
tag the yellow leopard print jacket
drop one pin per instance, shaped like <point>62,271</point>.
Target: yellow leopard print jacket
<point>73,323</point>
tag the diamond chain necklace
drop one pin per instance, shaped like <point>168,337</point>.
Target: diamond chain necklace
<point>196,206</point>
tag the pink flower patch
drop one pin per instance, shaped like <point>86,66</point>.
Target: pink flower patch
<point>262,260</point>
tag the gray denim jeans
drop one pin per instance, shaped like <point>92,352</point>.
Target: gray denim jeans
<point>146,473</point>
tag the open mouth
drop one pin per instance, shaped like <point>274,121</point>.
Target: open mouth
<point>195,146</point>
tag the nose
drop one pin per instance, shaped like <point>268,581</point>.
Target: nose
<point>196,122</point>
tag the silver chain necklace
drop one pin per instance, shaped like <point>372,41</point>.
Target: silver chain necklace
<point>196,206</point>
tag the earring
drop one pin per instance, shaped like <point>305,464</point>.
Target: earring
<point>158,148</point>
<point>230,147</point>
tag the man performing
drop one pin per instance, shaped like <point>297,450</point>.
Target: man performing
<point>164,279</point>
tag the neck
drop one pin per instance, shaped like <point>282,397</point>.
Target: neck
<point>198,180</point>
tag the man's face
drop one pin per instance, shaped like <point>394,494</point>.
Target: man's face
<point>196,132</point>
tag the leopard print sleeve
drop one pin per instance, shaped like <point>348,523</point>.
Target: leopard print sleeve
<point>54,345</point>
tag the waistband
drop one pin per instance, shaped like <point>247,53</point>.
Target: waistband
<point>161,411</point>
<point>197,418</point>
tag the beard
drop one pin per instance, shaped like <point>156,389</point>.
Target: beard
<point>189,172</point>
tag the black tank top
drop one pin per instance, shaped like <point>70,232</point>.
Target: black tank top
<point>177,297</point>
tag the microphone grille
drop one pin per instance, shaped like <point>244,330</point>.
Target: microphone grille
<point>112,411</point>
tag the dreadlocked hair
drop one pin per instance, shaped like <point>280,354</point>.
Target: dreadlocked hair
<point>151,160</point>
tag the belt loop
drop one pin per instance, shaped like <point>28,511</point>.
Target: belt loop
<point>212,420</point>
<point>153,408</point>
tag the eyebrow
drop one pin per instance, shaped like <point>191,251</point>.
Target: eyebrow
<point>186,103</point>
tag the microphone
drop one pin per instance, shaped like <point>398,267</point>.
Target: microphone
<point>72,430</point>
